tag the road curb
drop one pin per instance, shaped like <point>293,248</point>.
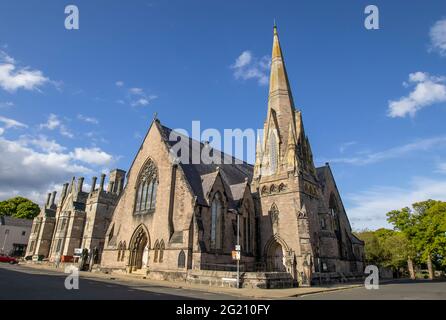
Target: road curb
<point>173,285</point>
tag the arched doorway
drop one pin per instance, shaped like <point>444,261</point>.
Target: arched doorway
<point>275,257</point>
<point>140,240</point>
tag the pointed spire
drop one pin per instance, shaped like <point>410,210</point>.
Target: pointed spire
<point>259,157</point>
<point>259,150</point>
<point>280,100</point>
<point>278,76</point>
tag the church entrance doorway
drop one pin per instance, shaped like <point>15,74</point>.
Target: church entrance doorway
<point>275,258</point>
<point>138,243</point>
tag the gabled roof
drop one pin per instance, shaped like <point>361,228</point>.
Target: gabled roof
<point>201,176</point>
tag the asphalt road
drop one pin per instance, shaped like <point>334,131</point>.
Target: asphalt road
<point>18,282</point>
<point>397,290</point>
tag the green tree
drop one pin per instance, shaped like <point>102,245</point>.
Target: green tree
<point>19,207</point>
<point>424,227</point>
<point>386,248</point>
<point>373,251</point>
<point>430,236</point>
<point>396,248</point>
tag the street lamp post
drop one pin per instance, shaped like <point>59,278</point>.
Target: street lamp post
<point>238,249</point>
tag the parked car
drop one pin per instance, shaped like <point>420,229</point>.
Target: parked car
<point>8,259</point>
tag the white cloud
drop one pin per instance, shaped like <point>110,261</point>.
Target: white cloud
<point>87,119</point>
<point>438,37</point>
<point>43,143</point>
<point>344,146</point>
<point>140,102</point>
<point>6,104</point>
<point>11,123</point>
<point>392,153</point>
<point>135,96</point>
<point>441,167</point>
<point>247,67</point>
<point>137,91</point>
<point>119,83</point>
<point>13,77</point>
<point>243,60</point>
<point>33,166</point>
<point>138,97</point>
<point>5,58</point>
<point>26,170</point>
<point>2,131</point>
<point>428,90</point>
<point>53,123</point>
<point>92,156</point>
<point>368,209</point>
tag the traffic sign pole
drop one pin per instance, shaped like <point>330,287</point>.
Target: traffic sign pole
<point>238,247</point>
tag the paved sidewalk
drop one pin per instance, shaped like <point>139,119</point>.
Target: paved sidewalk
<point>243,292</point>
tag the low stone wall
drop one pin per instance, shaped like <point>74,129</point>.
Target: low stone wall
<point>167,275</point>
<point>263,280</point>
<point>268,280</point>
<point>324,278</point>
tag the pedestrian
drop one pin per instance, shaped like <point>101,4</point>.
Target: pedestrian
<point>57,261</point>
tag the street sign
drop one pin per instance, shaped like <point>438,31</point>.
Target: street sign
<point>235,255</point>
<point>237,247</point>
<point>78,252</point>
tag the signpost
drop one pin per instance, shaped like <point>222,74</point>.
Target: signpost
<point>77,252</point>
<point>237,250</point>
<point>236,253</point>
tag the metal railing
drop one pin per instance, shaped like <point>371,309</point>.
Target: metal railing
<point>244,267</point>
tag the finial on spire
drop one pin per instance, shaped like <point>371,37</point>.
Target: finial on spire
<point>155,117</point>
<point>275,26</point>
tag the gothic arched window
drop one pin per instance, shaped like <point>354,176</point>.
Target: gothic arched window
<point>181,259</point>
<point>216,222</point>
<point>146,186</point>
<point>161,255</point>
<point>119,251</point>
<point>124,247</point>
<point>273,152</point>
<point>157,247</point>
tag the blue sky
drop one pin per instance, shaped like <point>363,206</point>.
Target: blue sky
<point>77,102</point>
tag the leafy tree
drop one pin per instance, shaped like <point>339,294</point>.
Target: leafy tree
<point>19,207</point>
<point>372,249</point>
<point>386,248</point>
<point>430,236</point>
<point>424,226</point>
<point>396,248</point>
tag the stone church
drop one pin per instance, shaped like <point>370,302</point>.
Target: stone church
<point>178,219</point>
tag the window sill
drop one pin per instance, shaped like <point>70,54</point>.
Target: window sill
<point>144,212</point>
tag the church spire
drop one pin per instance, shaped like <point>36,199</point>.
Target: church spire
<point>281,112</point>
<point>280,100</point>
<point>279,88</point>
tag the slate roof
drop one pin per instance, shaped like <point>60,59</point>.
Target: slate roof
<point>201,176</point>
<point>321,175</point>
